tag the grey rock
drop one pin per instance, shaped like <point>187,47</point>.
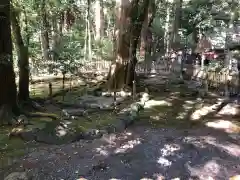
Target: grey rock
<point>128,121</point>
<point>46,138</point>
<point>17,176</point>
<point>111,129</point>
<point>120,125</point>
<point>22,119</point>
<point>93,134</point>
<point>28,136</point>
<point>74,112</point>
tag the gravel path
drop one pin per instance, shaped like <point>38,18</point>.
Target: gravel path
<point>140,152</point>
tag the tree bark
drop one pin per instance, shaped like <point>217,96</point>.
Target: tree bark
<point>99,21</point>
<point>167,31</point>
<point>44,31</point>
<point>146,35</point>
<point>56,37</point>
<point>129,20</point>
<point>23,63</point>
<point>8,91</point>
<point>89,32</point>
<point>176,24</point>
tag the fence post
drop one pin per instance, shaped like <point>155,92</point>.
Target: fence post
<point>50,89</point>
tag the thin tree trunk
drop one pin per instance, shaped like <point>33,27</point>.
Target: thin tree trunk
<point>44,31</point>
<point>228,58</point>
<point>176,24</point>
<point>98,20</point>
<point>166,32</point>
<point>8,91</point>
<point>89,32</point>
<point>23,62</point>
<point>56,38</point>
<point>86,37</point>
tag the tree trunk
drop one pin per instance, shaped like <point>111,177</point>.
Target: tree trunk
<point>176,24</point>
<point>23,63</point>
<point>44,31</point>
<point>129,20</point>
<point>89,32</point>
<point>8,91</point>
<point>98,20</point>
<point>146,36</point>
<point>56,37</point>
<point>166,32</point>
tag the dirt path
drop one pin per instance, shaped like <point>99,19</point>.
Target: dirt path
<point>140,152</point>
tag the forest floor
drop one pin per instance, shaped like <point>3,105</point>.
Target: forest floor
<point>177,135</point>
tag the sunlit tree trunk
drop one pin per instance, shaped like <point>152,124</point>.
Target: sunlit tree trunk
<point>44,31</point>
<point>98,19</point>
<point>167,32</point>
<point>86,36</point>
<point>89,32</point>
<point>129,20</point>
<point>56,37</point>
<point>23,62</point>
<point>8,90</point>
<point>228,59</point>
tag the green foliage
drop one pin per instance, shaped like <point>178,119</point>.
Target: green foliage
<point>71,51</point>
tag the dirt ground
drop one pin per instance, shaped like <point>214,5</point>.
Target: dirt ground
<point>177,136</point>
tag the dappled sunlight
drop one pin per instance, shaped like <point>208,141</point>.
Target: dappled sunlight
<point>231,149</point>
<point>129,145</point>
<point>198,142</point>
<point>170,149</point>
<point>225,125</point>
<point>205,110</point>
<point>167,150</point>
<point>164,162</point>
<point>111,146</point>
<point>187,106</point>
<point>209,171</point>
<point>152,103</point>
<point>229,109</point>
<point>101,150</point>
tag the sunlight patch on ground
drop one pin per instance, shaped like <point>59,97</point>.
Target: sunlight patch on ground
<point>152,103</point>
<point>187,107</point>
<point>231,149</point>
<point>225,125</point>
<point>164,162</point>
<point>129,145</point>
<point>230,109</point>
<point>211,168</point>
<point>198,142</point>
<point>169,149</point>
<point>102,151</point>
<point>237,177</point>
<point>199,113</point>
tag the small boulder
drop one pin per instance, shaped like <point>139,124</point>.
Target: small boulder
<point>17,176</point>
<point>93,134</point>
<point>22,119</point>
<point>120,125</point>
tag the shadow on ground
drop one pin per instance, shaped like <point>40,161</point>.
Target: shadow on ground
<point>177,136</point>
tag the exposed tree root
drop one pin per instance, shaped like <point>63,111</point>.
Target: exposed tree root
<point>41,114</point>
